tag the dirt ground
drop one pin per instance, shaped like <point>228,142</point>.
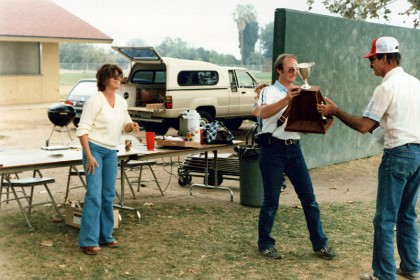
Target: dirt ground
<point>28,127</point>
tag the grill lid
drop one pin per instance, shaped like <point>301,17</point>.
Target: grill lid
<point>61,114</point>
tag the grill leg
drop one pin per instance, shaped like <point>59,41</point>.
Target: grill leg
<point>49,138</point>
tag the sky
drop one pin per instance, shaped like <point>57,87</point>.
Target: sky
<point>200,23</point>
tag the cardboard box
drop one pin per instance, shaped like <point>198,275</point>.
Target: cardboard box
<point>154,106</point>
<point>74,216</point>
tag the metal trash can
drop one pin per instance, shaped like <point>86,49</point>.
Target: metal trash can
<point>250,180</point>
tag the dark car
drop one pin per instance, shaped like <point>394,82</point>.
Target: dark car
<point>78,95</point>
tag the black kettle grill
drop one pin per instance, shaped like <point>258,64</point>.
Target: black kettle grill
<point>60,115</point>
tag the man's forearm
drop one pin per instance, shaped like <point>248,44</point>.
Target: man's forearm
<point>354,122</point>
<point>269,110</point>
<point>361,124</point>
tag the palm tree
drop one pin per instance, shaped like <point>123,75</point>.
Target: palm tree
<point>243,15</point>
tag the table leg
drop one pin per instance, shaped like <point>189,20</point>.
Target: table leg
<point>206,176</point>
<point>121,205</point>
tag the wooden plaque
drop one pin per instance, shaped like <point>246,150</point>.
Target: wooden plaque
<point>304,116</point>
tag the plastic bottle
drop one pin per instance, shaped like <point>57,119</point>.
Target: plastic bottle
<point>194,125</point>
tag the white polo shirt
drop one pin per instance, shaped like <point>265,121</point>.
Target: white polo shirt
<point>395,104</point>
<point>271,95</point>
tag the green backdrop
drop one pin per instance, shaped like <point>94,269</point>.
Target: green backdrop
<point>337,47</point>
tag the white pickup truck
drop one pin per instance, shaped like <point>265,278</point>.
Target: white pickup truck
<point>158,89</point>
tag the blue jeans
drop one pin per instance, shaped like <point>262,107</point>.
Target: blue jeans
<point>274,160</point>
<point>98,211</point>
<point>398,187</point>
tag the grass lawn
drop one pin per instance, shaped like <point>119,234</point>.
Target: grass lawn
<point>68,79</point>
<point>263,77</point>
<point>177,241</point>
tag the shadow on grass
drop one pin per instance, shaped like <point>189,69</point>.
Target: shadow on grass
<point>188,242</point>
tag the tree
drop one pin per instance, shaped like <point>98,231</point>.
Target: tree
<point>179,49</point>
<point>88,53</point>
<point>203,54</point>
<point>176,48</point>
<point>266,40</point>
<point>81,53</point>
<point>364,9</point>
<point>250,38</point>
<point>245,15</point>
<point>70,53</point>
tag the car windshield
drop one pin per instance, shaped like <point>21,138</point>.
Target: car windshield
<point>84,89</point>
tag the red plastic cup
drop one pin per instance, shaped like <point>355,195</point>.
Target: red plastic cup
<point>150,140</point>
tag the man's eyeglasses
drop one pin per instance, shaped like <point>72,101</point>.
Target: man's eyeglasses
<point>292,70</point>
<point>117,77</point>
<point>372,58</point>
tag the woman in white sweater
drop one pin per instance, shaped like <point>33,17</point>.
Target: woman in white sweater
<point>104,119</point>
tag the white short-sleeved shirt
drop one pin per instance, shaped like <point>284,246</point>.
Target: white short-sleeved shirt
<point>271,95</point>
<point>101,122</point>
<point>395,104</point>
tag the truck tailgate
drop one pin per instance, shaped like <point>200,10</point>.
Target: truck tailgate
<point>143,112</point>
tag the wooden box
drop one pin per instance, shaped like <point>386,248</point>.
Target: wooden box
<point>304,116</point>
<point>154,106</point>
<point>177,143</point>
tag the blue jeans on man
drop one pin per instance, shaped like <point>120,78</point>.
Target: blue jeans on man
<point>398,188</point>
<point>276,159</point>
<point>98,212</point>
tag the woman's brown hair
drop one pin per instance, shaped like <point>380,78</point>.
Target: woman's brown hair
<point>105,72</point>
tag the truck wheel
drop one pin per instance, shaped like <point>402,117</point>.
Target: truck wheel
<point>232,124</point>
<point>158,128</point>
<point>205,118</point>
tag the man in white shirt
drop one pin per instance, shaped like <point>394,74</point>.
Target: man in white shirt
<point>281,154</point>
<point>394,107</point>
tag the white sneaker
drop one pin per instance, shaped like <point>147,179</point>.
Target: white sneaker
<point>411,276</point>
<point>368,276</point>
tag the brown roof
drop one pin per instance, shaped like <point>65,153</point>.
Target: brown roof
<point>43,19</point>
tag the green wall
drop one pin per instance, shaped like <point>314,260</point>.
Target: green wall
<point>337,47</point>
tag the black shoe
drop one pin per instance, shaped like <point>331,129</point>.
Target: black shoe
<point>271,253</point>
<point>327,253</point>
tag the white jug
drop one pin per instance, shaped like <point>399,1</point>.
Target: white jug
<point>193,126</point>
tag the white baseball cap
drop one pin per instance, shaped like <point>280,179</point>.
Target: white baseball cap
<point>383,45</point>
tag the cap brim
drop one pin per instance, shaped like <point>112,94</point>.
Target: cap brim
<point>369,55</point>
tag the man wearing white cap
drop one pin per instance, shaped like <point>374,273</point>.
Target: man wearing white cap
<point>394,107</point>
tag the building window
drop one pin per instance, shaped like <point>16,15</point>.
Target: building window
<point>20,58</point>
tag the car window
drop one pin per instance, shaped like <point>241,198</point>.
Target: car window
<point>149,77</point>
<point>160,77</point>
<point>233,82</point>
<point>197,78</point>
<point>245,80</point>
<point>140,53</point>
<point>83,89</point>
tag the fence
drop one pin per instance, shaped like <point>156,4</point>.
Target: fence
<point>87,67</point>
<point>93,67</point>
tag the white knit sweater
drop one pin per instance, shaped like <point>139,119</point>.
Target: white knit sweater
<point>101,122</point>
